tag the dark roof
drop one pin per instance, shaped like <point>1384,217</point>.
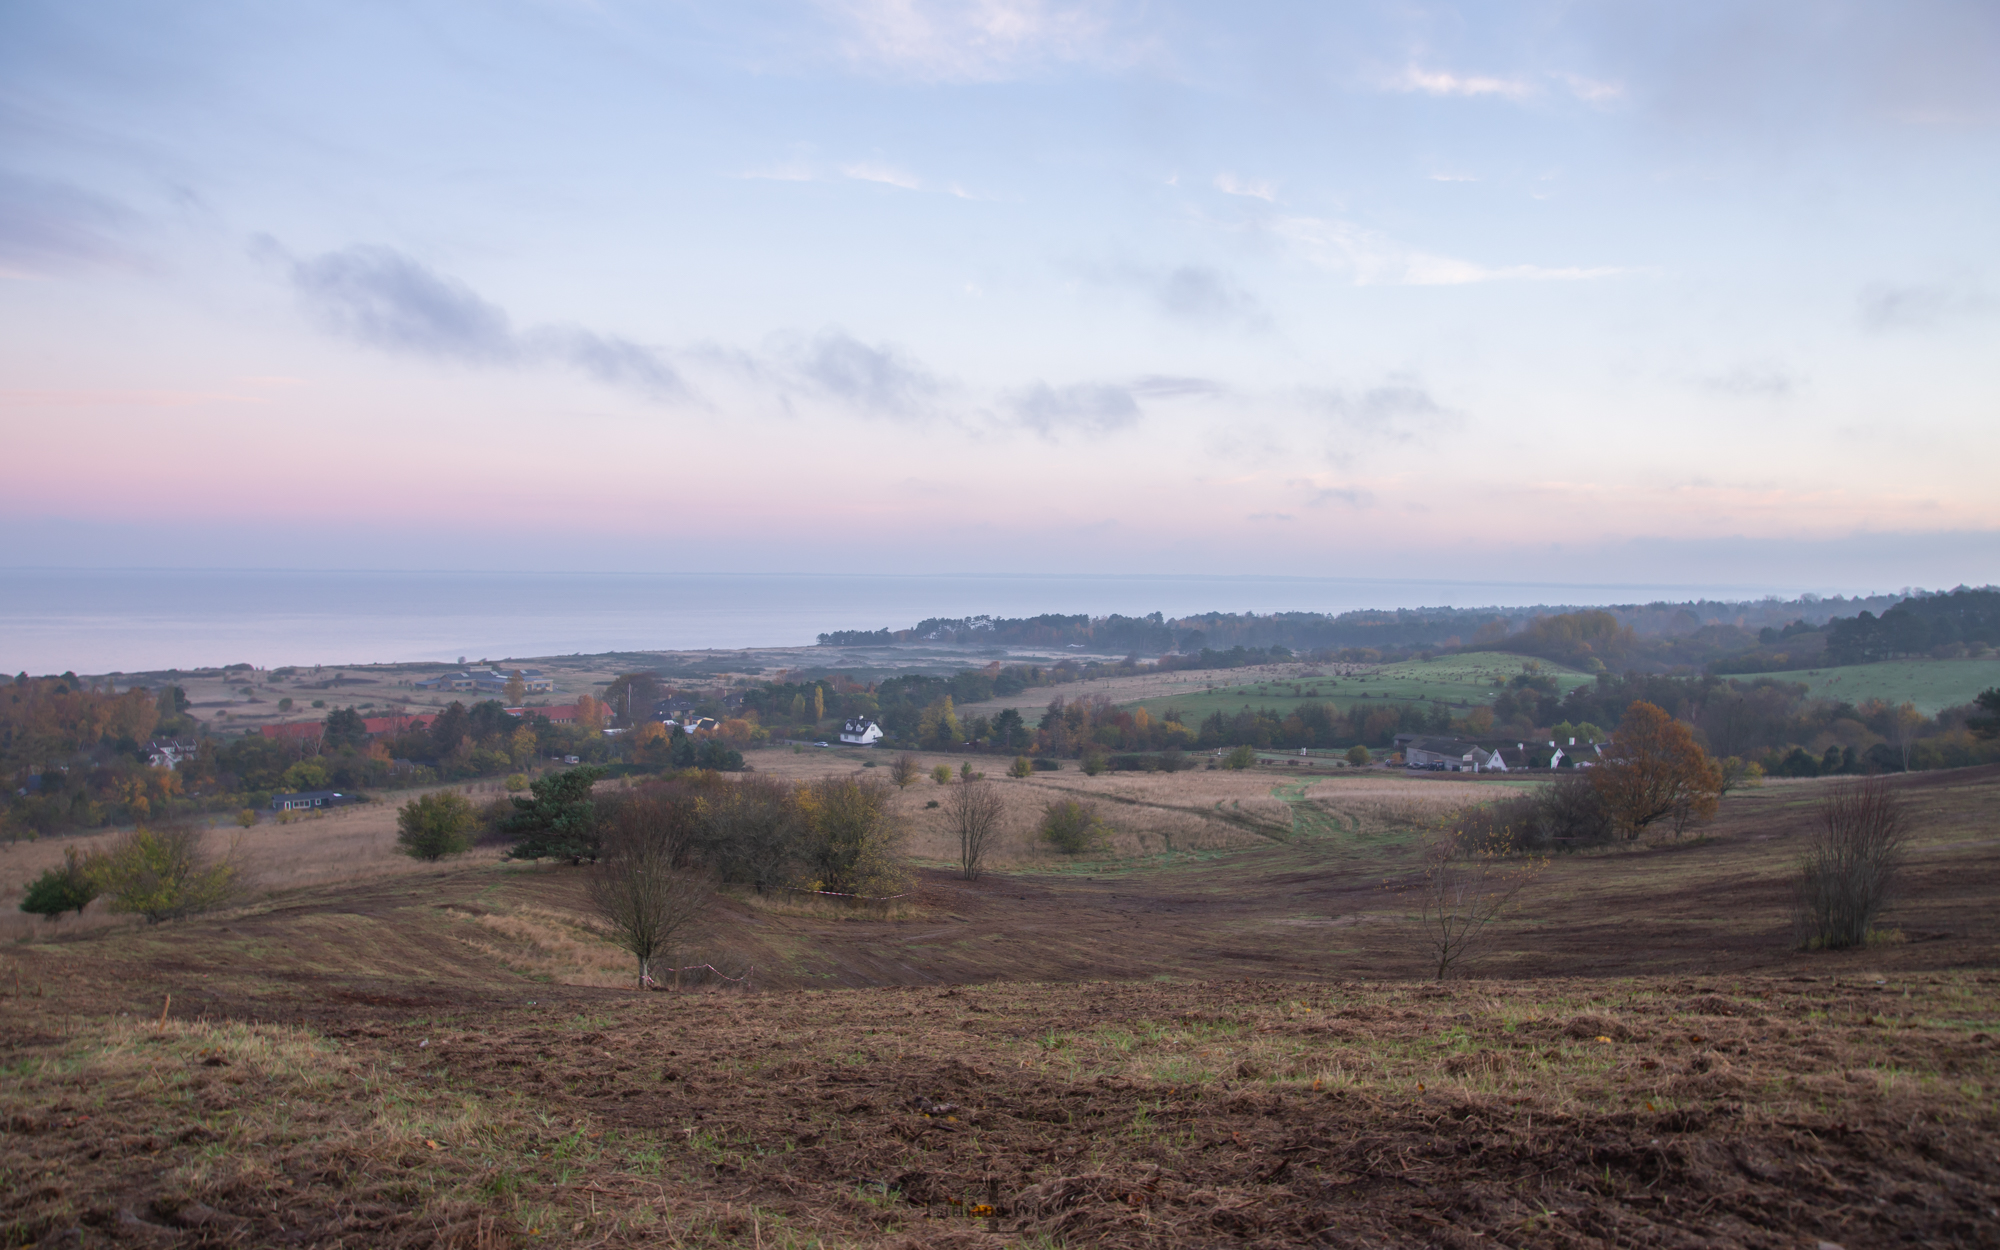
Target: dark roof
<point>311,794</point>
<point>1442,746</point>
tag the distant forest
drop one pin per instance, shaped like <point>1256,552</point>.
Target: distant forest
<point>1758,636</point>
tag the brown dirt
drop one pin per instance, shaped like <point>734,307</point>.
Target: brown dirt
<point>1644,1060</point>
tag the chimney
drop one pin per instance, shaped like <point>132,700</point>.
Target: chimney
<point>1572,741</point>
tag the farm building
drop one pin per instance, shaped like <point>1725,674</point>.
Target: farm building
<point>1452,754</point>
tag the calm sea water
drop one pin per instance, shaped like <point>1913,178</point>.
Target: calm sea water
<point>104,621</point>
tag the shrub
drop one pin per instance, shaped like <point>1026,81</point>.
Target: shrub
<point>516,782</point>
<point>1172,760</point>
<point>941,774</point>
<point>432,826</point>
<point>1072,827</point>
<point>850,843</point>
<point>57,890</point>
<point>1047,766</point>
<point>1021,766</point>
<point>1241,757</point>
<point>247,817</point>
<point>1092,763</point>
<point>973,812</point>
<point>163,873</point>
<point>1572,813</point>
<point>903,770</point>
<point>1357,755</point>
<point>1507,827</point>
<point>1849,868</point>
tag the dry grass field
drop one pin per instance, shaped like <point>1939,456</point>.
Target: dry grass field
<point>1211,1032</point>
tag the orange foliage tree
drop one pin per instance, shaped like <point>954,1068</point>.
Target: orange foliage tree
<point>1653,769</point>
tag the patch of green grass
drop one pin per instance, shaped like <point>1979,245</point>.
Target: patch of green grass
<point>1461,681</point>
<point>1930,684</point>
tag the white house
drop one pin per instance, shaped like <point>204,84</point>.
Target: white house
<point>860,732</point>
<point>1448,753</point>
<point>1579,756</point>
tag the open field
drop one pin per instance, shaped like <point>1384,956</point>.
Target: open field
<point>1185,1046</point>
<point>1459,680</point>
<point>1930,684</point>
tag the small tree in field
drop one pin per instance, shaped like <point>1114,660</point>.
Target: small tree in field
<point>941,774</point>
<point>163,873</point>
<point>1357,756</point>
<point>432,826</point>
<point>973,811</point>
<point>1021,767</point>
<point>66,888</point>
<point>1848,872</point>
<point>645,885</point>
<point>1460,895</point>
<point>903,770</point>
<point>1653,770</point>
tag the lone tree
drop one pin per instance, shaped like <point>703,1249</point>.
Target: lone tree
<point>432,826</point>
<point>163,873</point>
<point>1459,897</point>
<point>646,885</point>
<point>903,770</point>
<point>1071,827</point>
<point>972,811</point>
<point>1850,864</point>
<point>61,889</point>
<point>558,819</point>
<point>1655,769</point>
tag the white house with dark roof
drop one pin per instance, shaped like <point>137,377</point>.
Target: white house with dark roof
<point>860,732</point>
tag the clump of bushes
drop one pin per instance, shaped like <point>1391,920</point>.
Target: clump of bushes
<point>1566,814</point>
<point>1849,868</point>
<point>1072,827</point>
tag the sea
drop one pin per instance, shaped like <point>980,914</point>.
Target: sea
<point>105,621</point>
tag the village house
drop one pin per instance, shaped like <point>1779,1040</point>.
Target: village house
<point>1576,755</point>
<point>1447,754</point>
<point>860,732</point>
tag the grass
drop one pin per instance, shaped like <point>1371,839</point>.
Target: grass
<point>1930,684</point>
<point>1459,680</point>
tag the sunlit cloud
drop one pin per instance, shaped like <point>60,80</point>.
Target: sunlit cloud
<point>1230,184</point>
<point>1445,83</point>
<point>1375,259</point>
<point>967,40</point>
<point>870,171</point>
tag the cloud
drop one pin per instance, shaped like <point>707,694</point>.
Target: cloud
<point>1399,411</point>
<point>378,296</point>
<point>1230,184</point>
<point>1160,387</point>
<point>1751,382</point>
<point>1919,306</point>
<point>868,171</point>
<point>1445,83</point>
<point>1191,293</point>
<point>880,381</point>
<point>384,299</point>
<point>1093,408</point>
<point>1375,259</point>
<point>1318,496</point>
<point>968,40</point>
<point>48,226</point>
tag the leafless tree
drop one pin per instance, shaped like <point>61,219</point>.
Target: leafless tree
<point>646,886</point>
<point>1860,832</point>
<point>1459,897</point>
<point>904,770</point>
<point>973,810</point>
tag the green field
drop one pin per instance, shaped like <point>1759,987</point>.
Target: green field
<point>1930,684</point>
<point>1460,680</point>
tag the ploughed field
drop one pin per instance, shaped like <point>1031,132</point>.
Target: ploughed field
<point>1224,1047</point>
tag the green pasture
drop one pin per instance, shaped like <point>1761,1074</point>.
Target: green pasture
<point>1930,684</point>
<point>1459,680</point>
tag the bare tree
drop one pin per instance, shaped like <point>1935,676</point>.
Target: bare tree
<point>646,885</point>
<point>973,811</point>
<point>1848,872</point>
<point>903,770</point>
<point>1458,899</point>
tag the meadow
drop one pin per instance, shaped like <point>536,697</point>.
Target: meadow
<point>1930,684</point>
<point>1460,681</point>
<point>1214,1028</point>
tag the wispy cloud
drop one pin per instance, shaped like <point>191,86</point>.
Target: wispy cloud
<point>1092,408</point>
<point>1920,305</point>
<point>384,299</point>
<point>1375,259</point>
<point>877,379</point>
<point>1230,184</point>
<point>968,40</point>
<point>1441,82</point>
<point>48,226</point>
<point>1196,294</point>
<point>1751,381</point>
<point>870,171</point>
<point>1159,387</point>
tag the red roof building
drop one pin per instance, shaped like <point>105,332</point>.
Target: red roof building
<point>296,731</point>
<point>379,725</point>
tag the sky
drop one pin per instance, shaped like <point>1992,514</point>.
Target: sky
<point>1702,292</point>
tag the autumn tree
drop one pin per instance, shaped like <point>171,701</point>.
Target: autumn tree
<point>432,826</point>
<point>517,688</point>
<point>164,873</point>
<point>1655,769</point>
<point>850,841</point>
<point>972,811</point>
